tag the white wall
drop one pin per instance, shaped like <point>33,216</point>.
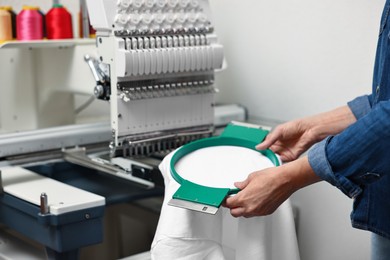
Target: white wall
<point>308,56</point>
<point>288,59</point>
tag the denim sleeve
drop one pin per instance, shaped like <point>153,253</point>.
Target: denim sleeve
<point>360,106</point>
<point>319,162</point>
<point>358,155</point>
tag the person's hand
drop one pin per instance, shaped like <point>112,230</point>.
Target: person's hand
<point>291,139</point>
<point>264,191</point>
<point>261,194</point>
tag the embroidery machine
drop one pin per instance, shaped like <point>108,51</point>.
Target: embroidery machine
<point>161,55</point>
<point>155,66</point>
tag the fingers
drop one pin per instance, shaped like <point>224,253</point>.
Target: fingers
<point>258,196</point>
<point>237,209</point>
<point>236,206</point>
<point>288,156</point>
<point>237,212</point>
<point>241,184</point>
<point>269,140</point>
<point>231,202</point>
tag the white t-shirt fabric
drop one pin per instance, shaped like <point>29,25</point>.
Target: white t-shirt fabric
<point>190,235</point>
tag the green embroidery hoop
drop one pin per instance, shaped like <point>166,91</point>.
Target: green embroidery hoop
<point>190,192</point>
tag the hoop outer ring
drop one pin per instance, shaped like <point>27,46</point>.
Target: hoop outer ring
<point>211,196</point>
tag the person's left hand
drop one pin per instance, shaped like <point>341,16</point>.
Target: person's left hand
<point>264,191</point>
<point>261,194</point>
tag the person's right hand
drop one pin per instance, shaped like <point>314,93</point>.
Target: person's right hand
<point>290,139</point>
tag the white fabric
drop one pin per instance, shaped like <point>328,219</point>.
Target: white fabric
<point>190,235</point>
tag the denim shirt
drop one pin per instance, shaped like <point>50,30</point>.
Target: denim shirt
<point>357,161</point>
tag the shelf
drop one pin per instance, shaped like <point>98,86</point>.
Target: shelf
<point>46,43</point>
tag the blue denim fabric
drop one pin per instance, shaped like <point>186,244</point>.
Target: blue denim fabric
<point>357,160</point>
<point>380,247</point>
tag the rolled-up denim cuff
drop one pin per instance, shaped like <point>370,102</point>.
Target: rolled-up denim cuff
<point>319,162</point>
<point>360,106</point>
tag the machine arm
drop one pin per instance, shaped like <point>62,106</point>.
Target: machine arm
<point>102,88</point>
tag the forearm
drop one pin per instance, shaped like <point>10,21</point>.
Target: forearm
<point>331,123</point>
<point>298,174</point>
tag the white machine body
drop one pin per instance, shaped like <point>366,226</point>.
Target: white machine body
<point>162,56</point>
<point>63,198</point>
